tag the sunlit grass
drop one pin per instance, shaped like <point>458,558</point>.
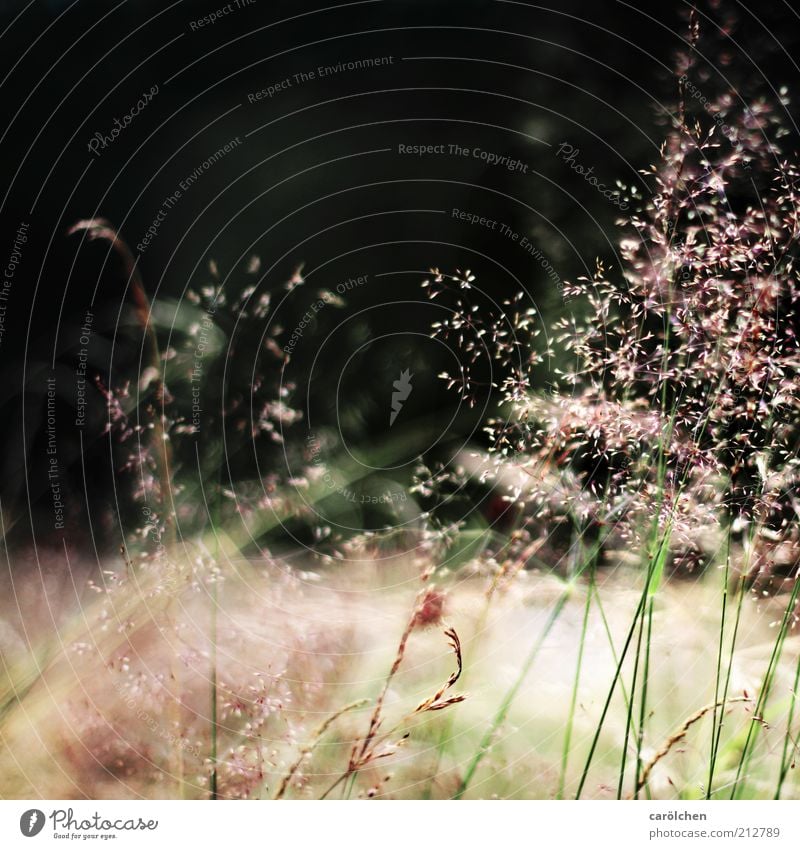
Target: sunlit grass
<point>98,711</point>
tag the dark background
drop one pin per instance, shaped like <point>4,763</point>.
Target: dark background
<point>313,184</point>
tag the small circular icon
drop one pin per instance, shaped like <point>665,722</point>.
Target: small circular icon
<point>31,822</point>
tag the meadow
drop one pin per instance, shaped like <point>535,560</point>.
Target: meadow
<point>591,594</point>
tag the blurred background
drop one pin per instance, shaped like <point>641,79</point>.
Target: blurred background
<point>239,147</point>
<point>235,487</point>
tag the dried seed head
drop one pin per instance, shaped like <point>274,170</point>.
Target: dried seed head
<point>430,609</point>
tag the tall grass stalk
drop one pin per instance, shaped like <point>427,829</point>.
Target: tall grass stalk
<point>716,723</point>
<point>215,522</point>
<point>645,684</point>
<point>718,715</point>
<point>789,753</point>
<point>505,705</point>
<point>575,686</point>
<point>214,696</point>
<point>655,569</point>
<point>740,781</point>
<point>607,704</point>
<point>590,562</point>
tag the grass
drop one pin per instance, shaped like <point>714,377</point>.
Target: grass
<point>653,654</point>
<point>301,665</point>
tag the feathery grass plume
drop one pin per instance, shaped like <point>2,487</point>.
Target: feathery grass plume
<point>678,735</point>
<point>307,750</point>
<point>671,423</point>
<point>695,338</point>
<point>152,457</point>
